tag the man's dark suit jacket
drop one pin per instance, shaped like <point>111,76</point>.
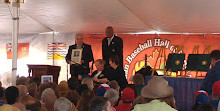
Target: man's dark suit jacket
<point>115,48</point>
<point>87,56</point>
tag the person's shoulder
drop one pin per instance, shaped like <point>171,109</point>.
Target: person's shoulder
<point>72,46</point>
<point>217,65</point>
<point>120,69</point>
<point>94,73</point>
<point>117,37</point>
<point>86,45</point>
<point>105,38</point>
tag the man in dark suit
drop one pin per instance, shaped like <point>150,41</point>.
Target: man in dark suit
<point>112,45</point>
<point>82,68</point>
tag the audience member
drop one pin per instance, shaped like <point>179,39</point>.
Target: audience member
<point>33,105</point>
<point>138,100</point>
<point>46,92</point>
<point>22,90</point>
<point>24,99</point>
<point>32,89</point>
<point>21,81</point>
<point>88,82</point>
<point>100,104</point>
<point>127,98</point>
<point>159,96</point>
<point>213,74</point>
<point>206,107</point>
<point>73,96</point>
<point>11,95</point>
<point>102,89</point>
<point>112,95</point>
<point>134,88</point>
<point>36,80</point>
<point>81,88</point>
<point>49,101</point>
<point>85,100</point>
<point>138,81</point>
<point>73,83</point>
<point>52,85</point>
<point>2,95</point>
<point>63,88</point>
<point>63,104</point>
<point>114,84</point>
<point>216,95</point>
<point>8,107</point>
<point>19,106</point>
<point>201,97</point>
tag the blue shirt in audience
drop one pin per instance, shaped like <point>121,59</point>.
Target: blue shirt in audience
<point>212,76</point>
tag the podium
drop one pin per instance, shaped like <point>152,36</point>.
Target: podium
<point>39,70</point>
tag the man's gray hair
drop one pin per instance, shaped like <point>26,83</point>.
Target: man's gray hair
<point>112,95</point>
<point>100,61</point>
<point>62,104</point>
<point>79,34</point>
<point>47,92</point>
<point>88,82</point>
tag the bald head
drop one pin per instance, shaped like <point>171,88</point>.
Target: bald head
<point>49,100</point>
<point>109,31</point>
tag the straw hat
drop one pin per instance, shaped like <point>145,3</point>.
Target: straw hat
<point>157,87</point>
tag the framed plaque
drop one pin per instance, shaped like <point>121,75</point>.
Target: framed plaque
<point>76,56</point>
<point>46,78</point>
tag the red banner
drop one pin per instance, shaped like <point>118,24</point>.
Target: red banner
<point>136,46</point>
<point>23,50</point>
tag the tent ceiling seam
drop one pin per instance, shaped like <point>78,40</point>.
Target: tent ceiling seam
<point>37,21</point>
<point>137,16</point>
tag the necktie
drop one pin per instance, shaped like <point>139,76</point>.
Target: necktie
<point>109,41</point>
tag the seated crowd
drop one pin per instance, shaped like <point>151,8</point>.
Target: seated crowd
<point>70,95</point>
<point>101,92</point>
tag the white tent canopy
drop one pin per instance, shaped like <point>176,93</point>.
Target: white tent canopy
<point>126,16</point>
<point>93,16</point>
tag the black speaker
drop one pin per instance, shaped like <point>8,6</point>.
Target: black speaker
<point>198,62</point>
<point>175,62</point>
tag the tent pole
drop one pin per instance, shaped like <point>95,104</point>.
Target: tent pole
<point>15,19</point>
<point>53,48</point>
